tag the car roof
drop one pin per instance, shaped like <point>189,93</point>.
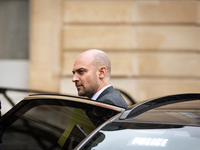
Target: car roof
<point>181,109</point>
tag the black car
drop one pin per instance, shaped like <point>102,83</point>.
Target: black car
<point>166,123</point>
<point>54,122</point>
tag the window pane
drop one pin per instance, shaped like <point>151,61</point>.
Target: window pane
<point>51,124</point>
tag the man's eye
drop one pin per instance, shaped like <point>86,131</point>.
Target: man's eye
<point>81,71</point>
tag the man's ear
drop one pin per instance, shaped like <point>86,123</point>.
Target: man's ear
<point>102,72</point>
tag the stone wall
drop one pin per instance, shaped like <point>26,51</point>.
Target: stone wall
<point>154,45</point>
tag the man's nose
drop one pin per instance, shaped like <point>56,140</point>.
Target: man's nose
<point>75,78</point>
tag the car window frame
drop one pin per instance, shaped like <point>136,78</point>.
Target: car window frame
<point>9,117</point>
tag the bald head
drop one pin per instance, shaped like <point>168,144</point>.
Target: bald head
<point>91,72</point>
<point>98,58</point>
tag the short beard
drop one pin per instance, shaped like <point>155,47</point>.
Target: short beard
<point>88,93</point>
<point>91,90</point>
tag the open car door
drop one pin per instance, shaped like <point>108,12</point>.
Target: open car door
<point>52,122</point>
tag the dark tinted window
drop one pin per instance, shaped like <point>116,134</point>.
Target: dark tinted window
<point>185,113</point>
<point>50,124</point>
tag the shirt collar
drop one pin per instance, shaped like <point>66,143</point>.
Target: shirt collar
<point>95,96</point>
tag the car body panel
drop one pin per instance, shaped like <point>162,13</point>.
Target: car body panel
<point>168,123</point>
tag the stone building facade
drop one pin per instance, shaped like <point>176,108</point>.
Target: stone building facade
<point>154,45</point>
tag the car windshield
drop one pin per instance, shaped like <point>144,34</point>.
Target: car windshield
<point>120,136</point>
<point>52,124</point>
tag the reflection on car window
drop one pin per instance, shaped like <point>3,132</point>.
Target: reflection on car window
<point>52,126</point>
<point>78,128</point>
<point>177,113</point>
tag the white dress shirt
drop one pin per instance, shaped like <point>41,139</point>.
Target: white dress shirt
<point>95,96</point>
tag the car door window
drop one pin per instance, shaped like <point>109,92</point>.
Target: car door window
<point>52,124</point>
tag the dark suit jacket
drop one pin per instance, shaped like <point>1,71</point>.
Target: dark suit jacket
<point>110,96</point>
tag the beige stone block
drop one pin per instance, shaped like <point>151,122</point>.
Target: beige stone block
<point>130,11</point>
<point>132,37</point>
<point>101,37</point>
<point>162,87</point>
<point>45,44</point>
<point>43,80</point>
<point>169,64</point>
<point>167,11</point>
<point>168,37</point>
<point>68,62</point>
<point>142,89</point>
<point>97,11</point>
<point>121,64</point>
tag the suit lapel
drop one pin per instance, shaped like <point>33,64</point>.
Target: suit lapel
<point>106,91</point>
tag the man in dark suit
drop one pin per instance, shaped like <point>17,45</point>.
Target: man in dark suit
<point>91,72</point>
<point>113,97</point>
